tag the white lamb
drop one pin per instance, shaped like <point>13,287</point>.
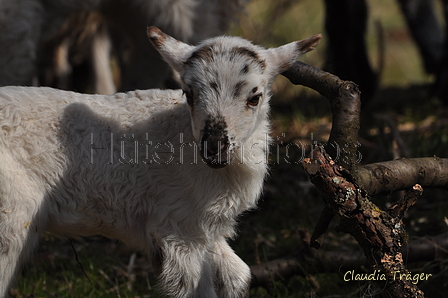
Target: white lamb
<point>166,172</point>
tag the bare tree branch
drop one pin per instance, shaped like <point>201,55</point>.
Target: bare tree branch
<point>380,234</point>
<point>377,178</point>
<point>303,263</point>
<point>311,261</point>
<point>426,248</point>
<point>386,177</point>
<point>410,198</point>
<point>325,218</point>
<point>344,97</point>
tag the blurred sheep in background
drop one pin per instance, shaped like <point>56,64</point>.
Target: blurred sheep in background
<point>69,44</point>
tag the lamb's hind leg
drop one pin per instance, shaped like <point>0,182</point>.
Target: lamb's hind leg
<point>232,275</point>
<point>18,239</point>
<point>19,207</point>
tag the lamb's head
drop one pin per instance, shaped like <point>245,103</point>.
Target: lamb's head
<point>226,81</point>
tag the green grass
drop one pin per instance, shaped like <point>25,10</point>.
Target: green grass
<point>99,268</point>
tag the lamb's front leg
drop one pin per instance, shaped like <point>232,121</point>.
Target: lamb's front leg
<point>185,270</point>
<point>232,275</point>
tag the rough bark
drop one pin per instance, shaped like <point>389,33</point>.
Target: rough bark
<point>379,233</point>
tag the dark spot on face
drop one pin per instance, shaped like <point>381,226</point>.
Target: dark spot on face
<point>245,69</point>
<point>216,127</point>
<point>238,88</point>
<point>204,53</point>
<point>214,86</point>
<point>242,51</point>
<point>245,52</point>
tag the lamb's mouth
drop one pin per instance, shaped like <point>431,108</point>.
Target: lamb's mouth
<point>215,155</point>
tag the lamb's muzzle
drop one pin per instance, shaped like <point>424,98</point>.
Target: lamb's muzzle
<point>214,144</point>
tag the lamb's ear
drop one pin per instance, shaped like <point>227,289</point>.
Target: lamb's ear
<point>173,51</point>
<point>281,58</point>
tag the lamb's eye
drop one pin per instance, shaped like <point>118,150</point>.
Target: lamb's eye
<point>189,97</point>
<point>254,100</point>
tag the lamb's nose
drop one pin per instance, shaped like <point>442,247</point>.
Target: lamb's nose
<point>214,151</point>
<point>215,148</point>
<point>215,143</point>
